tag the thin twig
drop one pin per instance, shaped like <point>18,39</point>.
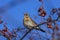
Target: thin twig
<point>25,34</point>
<point>46,22</point>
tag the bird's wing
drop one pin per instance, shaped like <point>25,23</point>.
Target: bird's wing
<point>34,23</point>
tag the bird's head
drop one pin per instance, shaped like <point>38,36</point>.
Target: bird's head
<point>26,17</point>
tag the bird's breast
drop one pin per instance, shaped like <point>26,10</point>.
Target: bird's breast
<point>29,23</point>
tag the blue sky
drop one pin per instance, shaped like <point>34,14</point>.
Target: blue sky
<point>13,15</point>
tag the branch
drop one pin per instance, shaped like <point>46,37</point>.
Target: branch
<point>26,33</point>
<point>47,22</point>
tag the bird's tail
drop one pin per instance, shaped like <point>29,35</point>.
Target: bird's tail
<point>38,28</point>
<point>42,30</point>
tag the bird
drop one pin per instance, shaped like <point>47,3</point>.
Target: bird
<point>29,23</point>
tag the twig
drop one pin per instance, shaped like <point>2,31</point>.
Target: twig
<point>46,22</point>
<point>26,34</point>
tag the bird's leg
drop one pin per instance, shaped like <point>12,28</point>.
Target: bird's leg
<point>26,34</point>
